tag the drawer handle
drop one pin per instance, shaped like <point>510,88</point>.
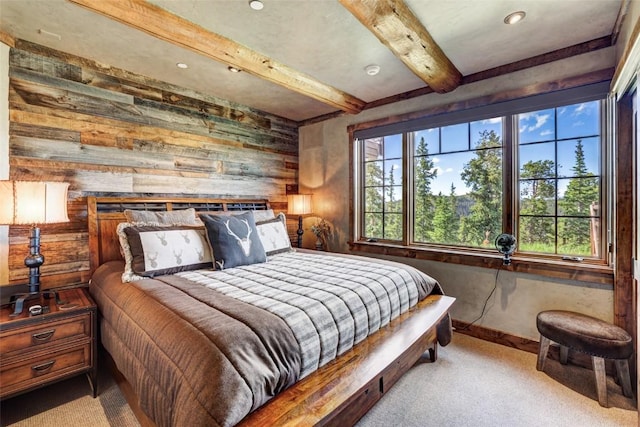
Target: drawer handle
<point>43,336</point>
<point>43,367</point>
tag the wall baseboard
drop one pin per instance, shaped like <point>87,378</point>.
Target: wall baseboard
<point>525,344</point>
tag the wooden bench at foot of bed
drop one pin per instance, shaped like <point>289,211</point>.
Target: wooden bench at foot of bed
<point>342,391</point>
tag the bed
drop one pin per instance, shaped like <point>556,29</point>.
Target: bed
<point>295,338</point>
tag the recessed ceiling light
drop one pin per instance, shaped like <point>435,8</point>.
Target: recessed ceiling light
<point>514,17</point>
<point>182,65</point>
<point>372,69</point>
<point>256,5</point>
<point>233,69</point>
<point>49,34</point>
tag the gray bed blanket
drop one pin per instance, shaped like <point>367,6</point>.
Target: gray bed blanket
<point>330,302</point>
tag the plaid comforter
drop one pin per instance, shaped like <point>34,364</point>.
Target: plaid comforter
<point>330,302</point>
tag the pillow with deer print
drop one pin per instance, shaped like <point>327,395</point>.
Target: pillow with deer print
<point>157,249</point>
<point>274,236</point>
<point>234,240</point>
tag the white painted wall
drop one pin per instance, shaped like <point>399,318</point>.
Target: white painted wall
<point>4,154</point>
<point>324,170</point>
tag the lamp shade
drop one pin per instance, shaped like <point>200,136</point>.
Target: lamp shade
<point>299,204</point>
<point>33,202</point>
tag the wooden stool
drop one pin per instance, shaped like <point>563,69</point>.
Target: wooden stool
<point>597,338</point>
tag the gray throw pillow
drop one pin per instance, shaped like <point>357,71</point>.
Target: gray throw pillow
<point>234,240</point>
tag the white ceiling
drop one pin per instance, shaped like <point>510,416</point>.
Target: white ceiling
<point>318,37</point>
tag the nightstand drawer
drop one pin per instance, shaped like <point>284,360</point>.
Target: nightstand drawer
<point>29,372</point>
<point>46,333</point>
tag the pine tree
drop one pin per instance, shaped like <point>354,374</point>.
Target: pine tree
<point>537,188</point>
<point>445,219</point>
<point>392,221</point>
<point>582,191</point>
<point>483,175</point>
<point>424,173</point>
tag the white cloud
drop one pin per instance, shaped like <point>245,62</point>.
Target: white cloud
<point>435,159</point>
<point>540,121</point>
<point>580,109</point>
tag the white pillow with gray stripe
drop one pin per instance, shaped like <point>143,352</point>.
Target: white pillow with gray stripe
<point>274,236</point>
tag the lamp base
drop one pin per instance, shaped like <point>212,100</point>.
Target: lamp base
<point>300,231</point>
<point>18,300</point>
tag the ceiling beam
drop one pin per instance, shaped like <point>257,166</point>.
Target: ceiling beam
<point>171,28</point>
<point>400,30</point>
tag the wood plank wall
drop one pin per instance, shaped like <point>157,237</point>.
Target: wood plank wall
<point>108,131</point>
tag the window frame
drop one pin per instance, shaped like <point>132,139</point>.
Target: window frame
<point>597,271</point>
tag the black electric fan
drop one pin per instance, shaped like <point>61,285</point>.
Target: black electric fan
<point>506,245</point>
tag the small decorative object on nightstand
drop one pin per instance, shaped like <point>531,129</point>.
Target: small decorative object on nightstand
<point>321,231</point>
<point>48,342</point>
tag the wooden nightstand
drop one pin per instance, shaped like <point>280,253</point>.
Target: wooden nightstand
<point>57,344</point>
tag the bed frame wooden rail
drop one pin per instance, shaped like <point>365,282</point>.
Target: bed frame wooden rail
<point>339,393</point>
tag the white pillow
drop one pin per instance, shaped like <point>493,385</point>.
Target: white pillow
<point>153,249</point>
<point>274,236</point>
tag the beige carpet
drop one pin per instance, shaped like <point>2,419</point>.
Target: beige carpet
<point>473,383</point>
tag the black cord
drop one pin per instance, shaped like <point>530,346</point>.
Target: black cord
<point>486,301</point>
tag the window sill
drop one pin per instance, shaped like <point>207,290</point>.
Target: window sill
<point>592,273</point>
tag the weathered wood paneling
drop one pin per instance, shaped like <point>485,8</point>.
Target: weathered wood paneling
<point>108,131</point>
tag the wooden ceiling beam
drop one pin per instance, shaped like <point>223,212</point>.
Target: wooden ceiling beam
<point>399,29</point>
<point>171,28</point>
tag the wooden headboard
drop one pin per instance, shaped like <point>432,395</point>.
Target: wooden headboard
<point>105,213</point>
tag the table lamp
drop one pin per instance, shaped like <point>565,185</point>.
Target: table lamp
<point>299,204</point>
<point>32,203</point>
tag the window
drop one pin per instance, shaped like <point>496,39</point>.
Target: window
<point>457,177</point>
<point>559,151</point>
<point>383,187</point>
<point>458,180</point>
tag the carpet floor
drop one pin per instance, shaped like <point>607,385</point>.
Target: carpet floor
<point>473,383</point>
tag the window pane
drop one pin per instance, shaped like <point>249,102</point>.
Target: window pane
<point>537,234</point>
<point>455,138</point>
<point>427,141</point>
<point>579,120</point>
<point>392,147</point>
<point>538,197</point>
<point>578,196</point>
<point>458,196</point>
<point>393,172</point>
<point>373,173</point>
<point>393,199</point>
<point>482,128</point>
<point>578,236</point>
<point>393,227</point>
<point>373,225</point>
<point>373,199</point>
<point>536,126</point>
<point>537,160</point>
<point>579,157</point>
<point>373,149</point>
